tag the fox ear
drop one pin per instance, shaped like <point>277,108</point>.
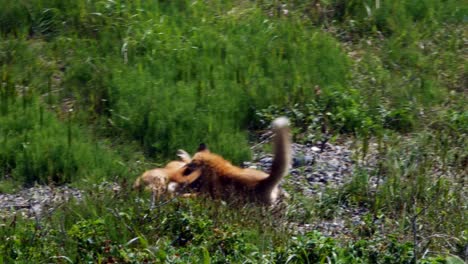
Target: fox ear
<point>184,156</point>
<point>202,147</point>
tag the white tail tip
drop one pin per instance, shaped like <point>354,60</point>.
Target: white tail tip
<point>280,122</point>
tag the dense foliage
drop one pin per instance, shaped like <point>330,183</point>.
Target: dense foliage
<point>95,91</point>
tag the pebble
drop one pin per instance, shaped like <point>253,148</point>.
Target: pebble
<point>315,149</point>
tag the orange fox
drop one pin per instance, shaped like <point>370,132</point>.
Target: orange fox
<point>209,172</point>
<point>157,180</point>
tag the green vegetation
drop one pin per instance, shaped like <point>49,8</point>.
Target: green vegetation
<point>93,91</point>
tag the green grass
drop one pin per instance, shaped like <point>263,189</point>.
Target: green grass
<point>121,228</point>
<point>37,148</point>
<point>96,91</point>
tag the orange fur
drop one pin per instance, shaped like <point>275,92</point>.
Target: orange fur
<point>157,180</point>
<point>214,174</point>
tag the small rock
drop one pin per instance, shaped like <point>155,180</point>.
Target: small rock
<point>308,160</point>
<point>266,160</point>
<point>315,149</point>
<point>294,172</point>
<point>297,162</point>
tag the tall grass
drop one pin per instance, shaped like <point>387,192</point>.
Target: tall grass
<point>174,81</point>
<point>37,148</point>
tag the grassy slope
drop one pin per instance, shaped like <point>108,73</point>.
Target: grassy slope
<point>87,88</point>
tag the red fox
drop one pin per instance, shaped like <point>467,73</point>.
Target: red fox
<point>211,173</point>
<point>157,180</point>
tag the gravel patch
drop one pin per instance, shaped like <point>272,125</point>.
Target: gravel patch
<point>36,201</point>
<point>315,168</point>
<point>318,167</point>
<point>41,200</point>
